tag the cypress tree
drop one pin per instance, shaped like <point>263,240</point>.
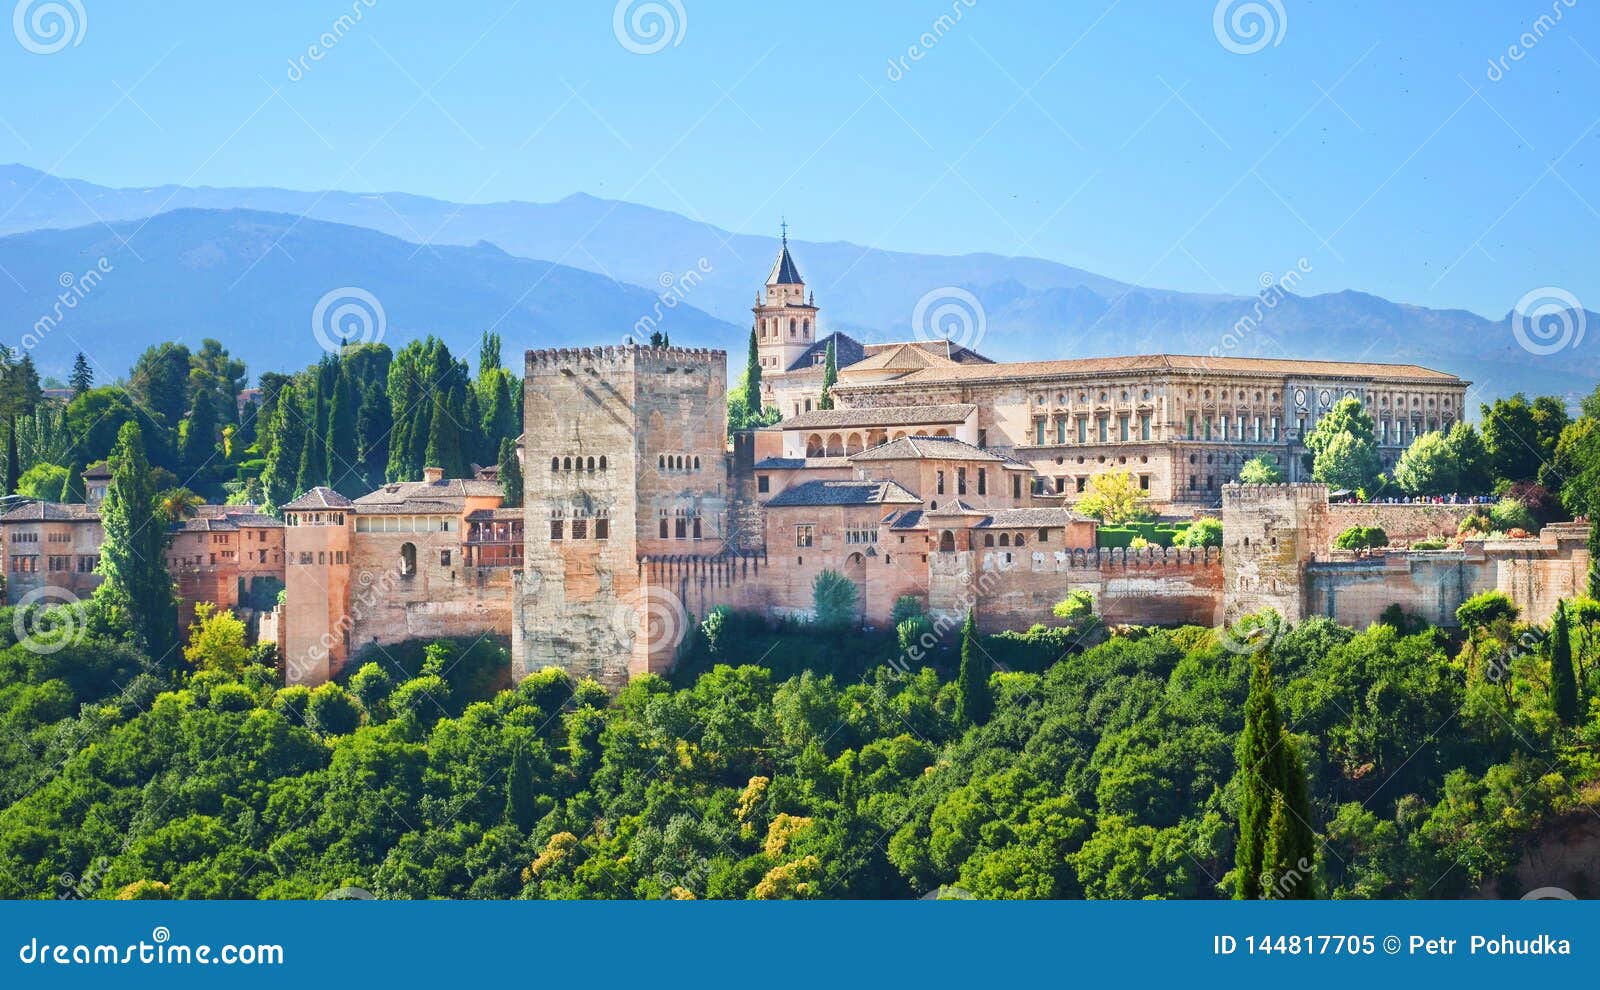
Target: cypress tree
<point>830,375</point>
<point>752,378</point>
<point>510,474</point>
<point>342,446</point>
<point>1594,554</point>
<point>314,453</point>
<point>444,439</point>
<point>199,435</point>
<point>521,808</point>
<point>133,556</point>
<point>1276,843</point>
<point>1563,681</point>
<point>13,468</point>
<point>82,379</point>
<point>285,445</point>
<point>974,703</point>
<point>373,422</point>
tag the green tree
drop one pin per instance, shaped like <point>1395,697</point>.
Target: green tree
<point>752,376</point>
<point>219,375</point>
<point>159,383</point>
<point>1520,436</point>
<point>216,641</point>
<point>1470,458</point>
<point>510,474</point>
<point>133,556</point>
<point>45,482</point>
<point>521,800</point>
<point>833,598</point>
<point>1563,681</point>
<point>343,468</point>
<point>1276,849</point>
<point>81,379</point>
<point>1113,497</point>
<point>1345,448</point>
<point>199,437</point>
<point>284,447</point>
<point>1428,467</point>
<point>1260,470</point>
<point>974,702</point>
<point>830,376</point>
<point>444,439</point>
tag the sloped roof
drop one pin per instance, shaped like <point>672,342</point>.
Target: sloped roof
<point>879,416</point>
<point>51,512</point>
<point>844,493</point>
<point>955,508</point>
<point>784,271</point>
<point>1180,364</point>
<point>909,519</point>
<point>320,497</point>
<point>1030,518</point>
<point>445,496</point>
<point>846,351</point>
<point>940,347</point>
<point>921,447</point>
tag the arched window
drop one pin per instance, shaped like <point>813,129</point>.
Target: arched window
<point>988,539</point>
<point>947,542</point>
<point>835,445</point>
<point>591,465</point>
<point>697,463</point>
<point>566,464</point>
<point>791,326</point>
<point>814,446</point>
<point>661,462</point>
<point>555,464</point>
<point>1005,539</point>
<point>853,444</point>
<point>806,326</point>
<point>408,560</point>
<point>602,462</point>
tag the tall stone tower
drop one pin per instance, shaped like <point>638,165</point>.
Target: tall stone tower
<point>625,457</point>
<point>785,319</point>
<point>1270,533</point>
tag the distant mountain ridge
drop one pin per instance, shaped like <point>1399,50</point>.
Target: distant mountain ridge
<point>257,281</point>
<point>1031,308</point>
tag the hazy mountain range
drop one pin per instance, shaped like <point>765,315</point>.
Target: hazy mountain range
<point>249,266</point>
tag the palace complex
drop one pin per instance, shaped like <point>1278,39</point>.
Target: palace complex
<point>937,473</point>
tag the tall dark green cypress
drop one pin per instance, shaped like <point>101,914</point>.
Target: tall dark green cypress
<point>1594,554</point>
<point>444,439</point>
<point>521,807</point>
<point>1563,680</point>
<point>133,559</point>
<point>13,466</point>
<point>1276,854</point>
<point>373,423</point>
<point>510,474</point>
<point>284,442</point>
<point>752,378</point>
<point>199,437</point>
<point>314,455</point>
<point>343,469</point>
<point>974,703</point>
<point>830,375</point>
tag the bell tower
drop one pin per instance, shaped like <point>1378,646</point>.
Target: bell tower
<point>785,319</point>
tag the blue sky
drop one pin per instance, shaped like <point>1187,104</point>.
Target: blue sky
<point>1373,139</point>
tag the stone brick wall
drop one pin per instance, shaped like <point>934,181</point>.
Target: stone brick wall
<point>1270,533</point>
<point>1403,523</point>
<point>1148,587</point>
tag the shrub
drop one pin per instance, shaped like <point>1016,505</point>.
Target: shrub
<point>1475,524</point>
<point>1202,533</point>
<point>1361,538</point>
<point>905,607</point>
<point>1509,513</point>
<point>1433,543</point>
<point>833,596</point>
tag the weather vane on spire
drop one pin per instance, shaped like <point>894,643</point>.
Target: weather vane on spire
<point>783,224</point>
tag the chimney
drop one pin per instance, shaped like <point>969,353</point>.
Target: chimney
<point>432,474</point>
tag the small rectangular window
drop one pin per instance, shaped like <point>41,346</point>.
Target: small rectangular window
<point>444,558</point>
<point>1016,486</point>
<point>763,483</point>
<point>555,529</point>
<point>602,529</point>
<point>580,529</point>
<point>663,527</point>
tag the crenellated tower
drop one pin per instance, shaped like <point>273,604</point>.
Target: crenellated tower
<point>624,458</point>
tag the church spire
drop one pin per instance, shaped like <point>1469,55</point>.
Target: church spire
<point>784,271</point>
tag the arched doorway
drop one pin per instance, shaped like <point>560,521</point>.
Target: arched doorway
<point>947,542</point>
<point>855,569</point>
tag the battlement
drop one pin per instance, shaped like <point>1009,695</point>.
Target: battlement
<point>621,356</point>
<point>1303,491</point>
